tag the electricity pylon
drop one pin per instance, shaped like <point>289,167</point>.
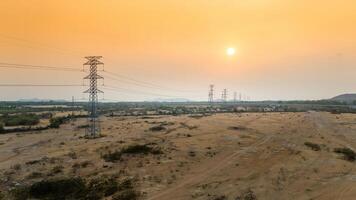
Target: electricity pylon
<point>211,94</point>
<point>235,97</point>
<point>224,95</point>
<point>93,62</point>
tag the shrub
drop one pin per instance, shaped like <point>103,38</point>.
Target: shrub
<point>20,193</point>
<point>141,149</point>
<point>313,146</point>
<point>247,195</point>
<point>127,191</point>
<point>348,153</point>
<point>34,175</point>
<point>112,156</point>
<point>102,187</point>
<point>65,188</point>
<point>133,149</point>
<point>237,128</point>
<point>55,122</point>
<point>20,119</point>
<point>129,194</point>
<point>77,188</point>
<point>157,128</point>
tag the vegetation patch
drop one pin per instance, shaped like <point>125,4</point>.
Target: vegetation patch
<point>20,119</point>
<point>238,128</point>
<point>77,188</point>
<point>247,195</point>
<point>132,150</point>
<point>158,128</point>
<point>313,146</point>
<point>66,188</point>
<point>55,122</point>
<point>348,153</point>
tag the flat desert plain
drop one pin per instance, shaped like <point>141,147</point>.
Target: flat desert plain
<point>222,156</point>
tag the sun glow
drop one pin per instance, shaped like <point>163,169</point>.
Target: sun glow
<point>230,51</point>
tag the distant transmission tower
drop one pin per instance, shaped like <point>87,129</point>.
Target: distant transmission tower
<point>224,95</point>
<point>235,97</point>
<point>211,94</point>
<point>93,62</point>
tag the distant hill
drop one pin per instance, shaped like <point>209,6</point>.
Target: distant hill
<point>345,98</point>
<point>172,100</point>
<point>41,100</point>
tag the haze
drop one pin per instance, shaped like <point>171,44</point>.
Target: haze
<point>284,49</point>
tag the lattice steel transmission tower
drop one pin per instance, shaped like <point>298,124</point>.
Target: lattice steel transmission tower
<point>235,97</point>
<point>224,95</point>
<point>93,62</point>
<point>211,94</point>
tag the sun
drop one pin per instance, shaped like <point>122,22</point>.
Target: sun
<point>230,51</point>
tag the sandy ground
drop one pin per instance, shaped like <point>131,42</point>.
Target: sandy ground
<point>204,158</point>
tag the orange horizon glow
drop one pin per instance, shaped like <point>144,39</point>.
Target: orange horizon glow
<point>285,49</point>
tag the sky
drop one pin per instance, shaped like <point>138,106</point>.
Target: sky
<point>158,49</point>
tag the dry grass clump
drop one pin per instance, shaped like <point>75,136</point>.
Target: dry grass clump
<point>313,146</point>
<point>247,195</point>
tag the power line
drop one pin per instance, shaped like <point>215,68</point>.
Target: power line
<point>118,89</point>
<point>41,85</point>
<point>27,66</point>
<point>146,83</point>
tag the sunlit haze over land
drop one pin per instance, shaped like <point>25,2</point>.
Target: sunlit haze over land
<point>265,49</point>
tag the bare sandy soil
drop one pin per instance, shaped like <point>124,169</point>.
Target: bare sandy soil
<point>222,156</point>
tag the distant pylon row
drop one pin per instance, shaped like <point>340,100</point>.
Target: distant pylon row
<point>224,96</point>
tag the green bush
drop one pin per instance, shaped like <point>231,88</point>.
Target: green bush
<point>20,120</point>
<point>348,153</point>
<point>55,122</point>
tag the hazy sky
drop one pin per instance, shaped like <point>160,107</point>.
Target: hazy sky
<point>286,49</point>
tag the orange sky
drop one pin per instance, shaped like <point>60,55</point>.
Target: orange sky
<point>295,49</point>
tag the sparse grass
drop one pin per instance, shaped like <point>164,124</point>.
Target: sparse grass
<point>313,146</point>
<point>348,153</point>
<point>190,127</point>
<point>56,170</point>
<point>247,195</point>
<point>34,175</point>
<point>16,167</point>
